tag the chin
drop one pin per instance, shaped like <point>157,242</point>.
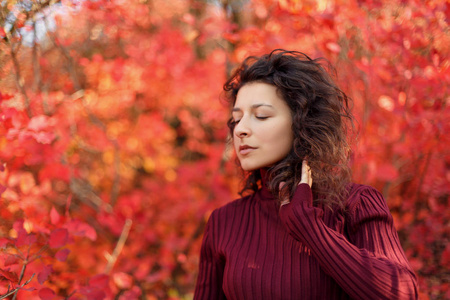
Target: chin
<point>249,168</point>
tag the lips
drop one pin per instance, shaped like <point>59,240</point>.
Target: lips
<point>245,149</point>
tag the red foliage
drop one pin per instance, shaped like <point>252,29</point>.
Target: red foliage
<point>113,141</point>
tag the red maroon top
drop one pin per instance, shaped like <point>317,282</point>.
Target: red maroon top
<point>252,249</point>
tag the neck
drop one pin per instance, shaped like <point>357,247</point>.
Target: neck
<point>265,193</point>
<point>264,174</point>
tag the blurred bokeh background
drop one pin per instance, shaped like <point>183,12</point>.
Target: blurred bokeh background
<point>113,137</point>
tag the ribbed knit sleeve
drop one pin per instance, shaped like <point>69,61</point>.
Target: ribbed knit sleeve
<point>211,267</point>
<point>370,264</point>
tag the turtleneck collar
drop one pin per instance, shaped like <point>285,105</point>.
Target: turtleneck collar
<point>265,193</point>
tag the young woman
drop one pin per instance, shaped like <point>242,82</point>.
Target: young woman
<point>305,231</point>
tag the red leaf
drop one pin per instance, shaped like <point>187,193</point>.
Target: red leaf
<point>9,275</point>
<point>93,293</point>
<point>4,242</point>
<point>4,96</point>
<point>62,254</point>
<point>46,294</point>
<point>23,238</point>
<point>58,238</point>
<point>43,275</point>
<point>100,281</point>
<point>2,189</point>
<point>78,228</point>
<point>387,172</point>
<point>54,216</point>
<point>11,260</point>
<point>134,293</point>
<point>19,23</point>
<point>54,170</point>
<point>18,225</point>
<point>445,259</point>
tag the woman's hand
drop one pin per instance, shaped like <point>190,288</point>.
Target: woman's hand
<point>306,178</point>
<point>306,174</point>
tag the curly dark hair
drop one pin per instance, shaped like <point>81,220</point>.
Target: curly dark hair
<point>321,123</point>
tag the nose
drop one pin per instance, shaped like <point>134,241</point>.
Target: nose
<point>242,129</point>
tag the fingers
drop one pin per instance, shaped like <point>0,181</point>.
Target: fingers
<point>306,178</point>
<point>306,173</point>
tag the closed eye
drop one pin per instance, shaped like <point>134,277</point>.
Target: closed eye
<point>261,118</point>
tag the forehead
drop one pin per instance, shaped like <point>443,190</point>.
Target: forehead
<point>256,93</point>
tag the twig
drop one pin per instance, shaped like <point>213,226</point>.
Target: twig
<point>118,249</point>
<point>70,295</point>
<point>85,192</point>
<point>116,182</point>
<point>10,293</point>
<point>66,54</point>
<point>16,290</point>
<point>422,176</point>
<point>36,68</point>
<point>20,278</point>
<point>18,76</point>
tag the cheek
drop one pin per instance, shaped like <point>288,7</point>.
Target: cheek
<point>235,142</point>
<point>282,140</point>
<point>279,133</point>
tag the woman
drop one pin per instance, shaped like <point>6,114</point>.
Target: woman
<point>305,231</point>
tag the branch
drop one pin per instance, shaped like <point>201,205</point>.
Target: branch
<point>92,117</point>
<point>66,54</point>
<point>116,182</point>
<point>35,62</point>
<point>85,192</point>
<point>37,7</point>
<point>118,249</point>
<point>20,278</point>
<point>16,290</point>
<point>19,80</point>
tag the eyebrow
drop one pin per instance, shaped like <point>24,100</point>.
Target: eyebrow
<point>253,106</point>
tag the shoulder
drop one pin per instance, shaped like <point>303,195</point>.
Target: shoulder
<point>365,197</point>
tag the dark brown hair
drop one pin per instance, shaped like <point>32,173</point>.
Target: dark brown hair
<point>320,121</point>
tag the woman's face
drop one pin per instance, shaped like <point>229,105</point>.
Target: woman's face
<point>263,130</point>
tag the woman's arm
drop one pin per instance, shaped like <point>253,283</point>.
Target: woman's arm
<point>210,274</point>
<point>372,265</point>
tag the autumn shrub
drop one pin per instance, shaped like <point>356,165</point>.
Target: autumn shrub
<point>113,138</point>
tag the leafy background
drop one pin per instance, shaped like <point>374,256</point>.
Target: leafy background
<point>113,147</point>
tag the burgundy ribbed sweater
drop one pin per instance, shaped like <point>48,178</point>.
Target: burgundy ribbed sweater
<point>252,249</point>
